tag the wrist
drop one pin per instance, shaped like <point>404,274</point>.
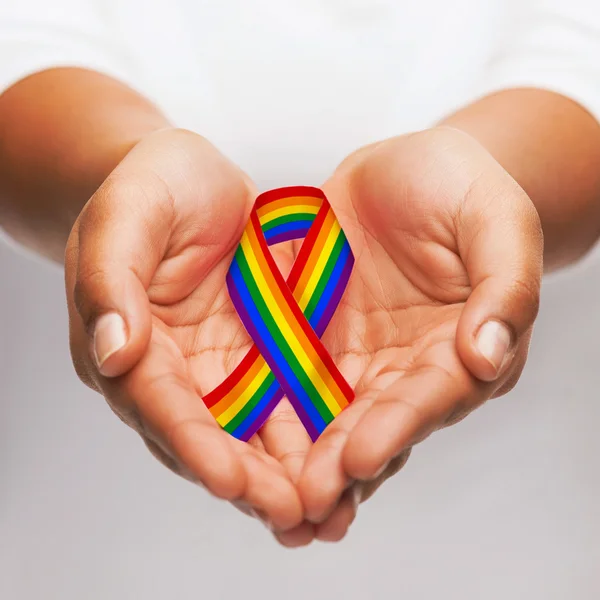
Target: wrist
<point>53,159</point>
<point>551,146</point>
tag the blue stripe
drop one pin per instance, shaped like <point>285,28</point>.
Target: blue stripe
<point>269,349</point>
<point>271,352</point>
<point>298,218</point>
<point>253,415</point>
<point>330,287</point>
<point>287,227</point>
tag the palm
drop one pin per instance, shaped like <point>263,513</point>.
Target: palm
<point>394,333</point>
<point>190,207</point>
<point>391,319</point>
<point>210,340</point>
<point>406,292</point>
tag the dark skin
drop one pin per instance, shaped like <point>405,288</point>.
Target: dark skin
<point>446,226</point>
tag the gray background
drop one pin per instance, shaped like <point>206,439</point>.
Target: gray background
<point>504,505</point>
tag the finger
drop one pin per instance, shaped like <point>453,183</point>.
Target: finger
<point>302,535</point>
<point>337,524</point>
<point>285,439</point>
<point>121,238</point>
<point>174,418</point>
<point>158,224</point>
<point>270,492</point>
<point>501,246</point>
<point>518,364</point>
<point>410,409</point>
<point>368,488</point>
<point>323,478</point>
<point>161,456</point>
<point>297,536</point>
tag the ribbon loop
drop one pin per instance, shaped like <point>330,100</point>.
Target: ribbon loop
<point>286,319</point>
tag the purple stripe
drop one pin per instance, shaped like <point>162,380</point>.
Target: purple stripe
<point>335,297</point>
<point>253,333</point>
<point>287,236</point>
<point>263,416</point>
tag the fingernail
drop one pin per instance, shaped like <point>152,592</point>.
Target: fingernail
<point>493,341</point>
<point>259,515</point>
<point>356,495</point>
<point>379,471</point>
<point>109,337</point>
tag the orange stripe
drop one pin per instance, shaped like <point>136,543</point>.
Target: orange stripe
<point>285,202</point>
<point>312,354</point>
<point>272,285</point>
<point>314,255</point>
<point>227,400</point>
<point>311,351</point>
<point>249,376</point>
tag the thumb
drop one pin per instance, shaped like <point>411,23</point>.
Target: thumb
<point>120,238</point>
<point>501,244</point>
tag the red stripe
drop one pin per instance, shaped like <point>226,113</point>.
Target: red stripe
<point>230,382</point>
<point>302,321</point>
<point>288,192</point>
<point>224,388</point>
<point>307,246</point>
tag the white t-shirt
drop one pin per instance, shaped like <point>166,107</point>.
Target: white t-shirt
<point>307,81</point>
<point>489,509</point>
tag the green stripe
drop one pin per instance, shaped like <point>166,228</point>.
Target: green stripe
<point>288,219</point>
<point>324,280</point>
<point>279,338</point>
<point>252,402</point>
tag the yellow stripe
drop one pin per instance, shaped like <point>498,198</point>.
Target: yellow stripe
<point>288,210</point>
<point>287,332</point>
<point>235,408</point>
<point>292,201</point>
<point>311,284</point>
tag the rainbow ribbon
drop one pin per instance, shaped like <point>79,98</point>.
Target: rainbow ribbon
<point>286,319</point>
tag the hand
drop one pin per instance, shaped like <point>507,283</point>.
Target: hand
<point>438,313</point>
<point>152,326</point>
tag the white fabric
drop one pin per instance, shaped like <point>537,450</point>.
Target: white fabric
<point>310,79</point>
<point>501,506</point>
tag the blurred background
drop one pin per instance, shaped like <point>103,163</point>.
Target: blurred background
<point>87,513</point>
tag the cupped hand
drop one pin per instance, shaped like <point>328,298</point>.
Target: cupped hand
<point>435,320</point>
<point>153,329</point>
<point>438,313</point>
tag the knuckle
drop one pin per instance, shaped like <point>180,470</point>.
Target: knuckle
<point>138,197</point>
<point>292,455</point>
<point>525,291</point>
<point>424,420</point>
<point>185,137</point>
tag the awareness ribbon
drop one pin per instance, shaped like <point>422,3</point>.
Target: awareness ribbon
<point>286,319</point>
